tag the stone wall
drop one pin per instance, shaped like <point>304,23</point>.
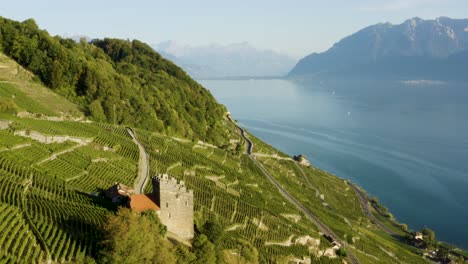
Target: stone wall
<point>176,203</point>
<point>34,135</point>
<point>4,124</point>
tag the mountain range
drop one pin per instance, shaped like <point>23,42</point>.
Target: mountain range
<point>416,49</point>
<point>221,61</point>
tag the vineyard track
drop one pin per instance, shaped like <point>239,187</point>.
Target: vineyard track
<point>307,179</point>
<point>321,226</point>
<point>54,156</point>
<point>143,169</point>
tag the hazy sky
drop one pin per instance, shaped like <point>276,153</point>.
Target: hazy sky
<point>295,27</point>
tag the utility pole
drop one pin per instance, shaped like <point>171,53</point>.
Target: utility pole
<point>114,115</point>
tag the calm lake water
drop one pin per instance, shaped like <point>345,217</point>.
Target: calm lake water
<point>405,144</point>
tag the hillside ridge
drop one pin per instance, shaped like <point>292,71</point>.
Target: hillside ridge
<point>116,81</point>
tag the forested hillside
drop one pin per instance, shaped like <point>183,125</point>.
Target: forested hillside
<point>116,81</point>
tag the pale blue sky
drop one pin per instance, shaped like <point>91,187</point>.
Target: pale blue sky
<point>295,27</point>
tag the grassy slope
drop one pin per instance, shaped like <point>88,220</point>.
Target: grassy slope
<point>52,199</point>
<point>29,95</point>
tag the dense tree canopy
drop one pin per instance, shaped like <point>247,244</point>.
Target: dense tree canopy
<point>428,235</point>
<point>214,232</point>
<point>205,251</point>
<point>130,237</point>
<point>115,80</point>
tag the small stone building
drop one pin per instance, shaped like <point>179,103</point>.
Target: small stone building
<point>176,205</point>
<point>418,236</point>
<point>302,160</point>
<point>170,199</point>
<point>118,192</point>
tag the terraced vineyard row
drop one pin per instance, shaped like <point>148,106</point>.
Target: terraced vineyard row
<point>55,202</point>
<point>101,175</point>
<point>18,242</point>
<point>65,166</point>
<point>28,155</point>
<point>67,220</point>
<point>243,219</point>
<point>42,215</point>
<point>121,145</point>
<point>60,128</point>
<point>9,140</point>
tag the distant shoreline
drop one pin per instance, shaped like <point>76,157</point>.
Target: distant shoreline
<point>232,78</point>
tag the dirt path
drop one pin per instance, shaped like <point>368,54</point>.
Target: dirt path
<point>317,192</point>
<point>143,169</point>
<point>321,226</point>
<point>77,176</point>
<point>263,155</point>
<point>287,243</point>
<point>54,156</point>
<point>307,179</point>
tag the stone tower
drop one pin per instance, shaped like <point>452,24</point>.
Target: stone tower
<point>176,206</point>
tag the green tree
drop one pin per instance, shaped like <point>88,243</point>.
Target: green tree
<point>249,253</point>
<point>96,111</point>
<point>404,227</point>
<point>428,236</point>
<point>184,255</point>
<point>442,254</point>
<point>341,252</point>
<point>204,250</point>
<point>8,106</point>
<point>213,231</point>
<point>56,75</point>
<point>161,229</point>
<point>130,238</point>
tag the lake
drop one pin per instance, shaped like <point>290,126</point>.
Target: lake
<point>407,144</point>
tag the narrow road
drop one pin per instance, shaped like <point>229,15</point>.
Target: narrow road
<point>143,169</point>
<point>364,200</point>
<point>248,143</point>
<point>321,226</point>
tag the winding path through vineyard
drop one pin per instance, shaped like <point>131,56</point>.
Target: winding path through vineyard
<point>321,226</point>
<point>142,166</point>
<point>54,156</point>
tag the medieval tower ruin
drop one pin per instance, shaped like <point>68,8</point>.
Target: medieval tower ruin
<point>176,205</point>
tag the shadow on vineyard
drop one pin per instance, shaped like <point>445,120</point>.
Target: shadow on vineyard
<point>88,233</point>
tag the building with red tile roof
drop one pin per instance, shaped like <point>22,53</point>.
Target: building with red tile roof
<point>170,198</point>
<point>142,202</point>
